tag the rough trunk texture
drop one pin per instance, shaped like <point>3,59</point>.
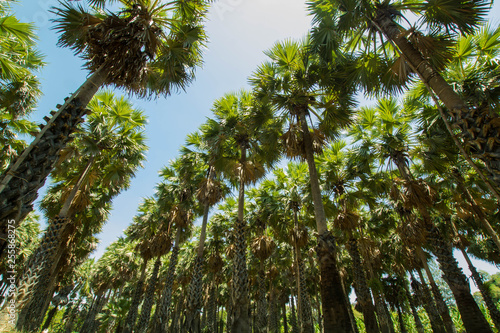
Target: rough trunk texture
<point>194,300</point>
<point>362,290</point>
<point>472,317</point>
<point>136,300</point>
<point>272,325</point>
<point>20,183</point>
<point>142,325</point>
<point>261,324</point>
<point>36,277</point>
<point>90,319</point>
<point>212,309</point>
<point>479,127</point>
<point>162,311</point>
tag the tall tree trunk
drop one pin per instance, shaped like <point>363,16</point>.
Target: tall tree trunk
<point>418,322</point>
<point>194,300</point>
<point>212,309</point>
<point>136,300</point>
<point>162,312</point>
<point>95,308</point>
<point>477,125</point>
<point>37,281</point>
<point>271,324</point>
<point>425,298</point>
<point>362,290</point>
<point>472,317</point>
<point>261,322</point>
<point>193,308</point>
<point>440,303</point>
<point>142,325</point>
<point>21,181</point>
<point>490,304</point>
<point>335,311</point>
<point>239,288</point>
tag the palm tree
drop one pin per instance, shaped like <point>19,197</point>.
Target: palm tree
<point>410,51</point>
<point>290,81</point>
<point>392,131</point>
<point>243,138</point>
<point>159,57</point>
<point>110,148</point>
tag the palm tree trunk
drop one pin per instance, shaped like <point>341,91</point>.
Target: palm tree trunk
<point>142,325</point>
<point>212,309</point>
<point>490,304</point>
<point>335,312</point>
<point>136,300</point>
<point>239,288</point>
<point>194,300</point>
<point>440,303</point>
<point>362,291</point>
<point>271,324</point>
<point>418,323</point>
<point>38,277</point>
<point>162,311</point>
<point>21,182</point>
<point>472,317</point>
<point>261,302</point>
<point>425,298</point>
<point>477,126</point>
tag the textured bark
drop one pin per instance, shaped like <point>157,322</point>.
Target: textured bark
<point>36,277</point>
<point>385,324</point>
<point>212,309</point>
<point>194,300</point>
<point>480,128</point>
<point>142,325</point>
<point>261,315</point>
<point>90,319</point>
<point>20,183</point>
<point>362,290</point>
<point>272,326</point>
<point>161,316</point>
<point>472,317</point>
<point>136,300</point>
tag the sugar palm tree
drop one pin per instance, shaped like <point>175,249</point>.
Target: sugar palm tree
<point>423,53</point>
<point>161,51</point>
<point>242,136</point>
<point>290,80</point>
<point>110,148</point>
<point>393,139</point>
<point>153,242</point>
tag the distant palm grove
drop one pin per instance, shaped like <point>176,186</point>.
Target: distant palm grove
<point>333,194</point>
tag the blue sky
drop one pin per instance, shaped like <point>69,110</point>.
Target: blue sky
<point>239,30</point>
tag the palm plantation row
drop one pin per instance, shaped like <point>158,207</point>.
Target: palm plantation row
<point>373,196</point>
